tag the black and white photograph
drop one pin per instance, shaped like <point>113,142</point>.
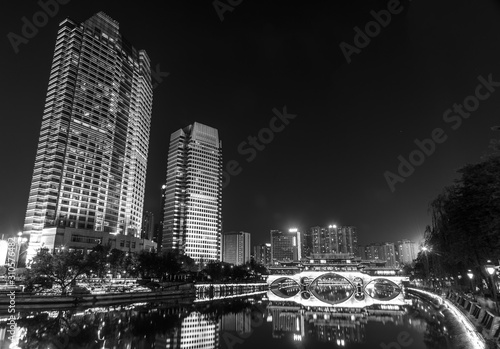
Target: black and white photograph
<point>235,174</point>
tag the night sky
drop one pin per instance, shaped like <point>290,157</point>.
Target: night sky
<point>352,120</point>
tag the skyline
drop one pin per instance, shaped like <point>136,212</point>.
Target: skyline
<point>353,121</point>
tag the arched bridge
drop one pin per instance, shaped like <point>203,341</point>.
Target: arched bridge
<point>338,288</point>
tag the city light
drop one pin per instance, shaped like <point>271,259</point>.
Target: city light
<point>292,230</point>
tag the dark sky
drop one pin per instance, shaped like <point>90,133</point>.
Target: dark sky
<point>352,120</point>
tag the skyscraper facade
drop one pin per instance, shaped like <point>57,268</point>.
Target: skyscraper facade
<point>236,247</point>
<point>285,246</point>
<point>90,167</point>
<point>193,193</point>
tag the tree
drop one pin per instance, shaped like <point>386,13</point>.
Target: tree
<point>97,258</point>
<point>62,269</point>
<point>466,222</point>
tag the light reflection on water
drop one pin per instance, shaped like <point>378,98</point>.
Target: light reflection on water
<point>235,323</point>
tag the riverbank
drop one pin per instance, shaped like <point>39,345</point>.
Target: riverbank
<point>21,300</point>
<point>463,333</point>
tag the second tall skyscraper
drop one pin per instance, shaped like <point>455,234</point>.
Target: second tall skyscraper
<point>193,193</point>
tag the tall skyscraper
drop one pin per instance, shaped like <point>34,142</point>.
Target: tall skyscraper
<point>285,246</point>
<point>262,254</point>
<point>90,167</point>
<point>193,193</point>
<point>236,247</point>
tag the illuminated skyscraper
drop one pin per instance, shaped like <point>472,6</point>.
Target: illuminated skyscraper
<point>193,194</point>
<point>90,167</point>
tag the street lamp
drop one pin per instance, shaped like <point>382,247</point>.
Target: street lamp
<point>18,247</point>
<point>425,249</point>
<point>471,276</point>
<point>490,268</point>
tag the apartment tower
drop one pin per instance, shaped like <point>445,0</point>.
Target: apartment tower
<point>90,167</point>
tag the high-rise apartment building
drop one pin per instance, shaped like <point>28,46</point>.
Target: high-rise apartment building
<point>324,239</point>
<point>262,254</point>
<point>285,246</point>
<point>406,251</point>
<point>381,251</point>
<point>347,240</point>
<point>236,247</point>
<point>193,193</point>
<point>90,167</point>
<point>388,253</point>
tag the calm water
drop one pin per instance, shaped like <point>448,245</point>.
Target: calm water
<point>255,322</point>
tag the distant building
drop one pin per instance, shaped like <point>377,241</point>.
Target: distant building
<point>406,251</point>
<point>389,254</point>
<point>158,235</point>
<point>306,243</point>
<point>236,247</point>
<point>262,254</point>
<point>380,251</point>
<point>324,239</point>
<point>285,246</point>
<point>148,226</point>
<point>347,240</point>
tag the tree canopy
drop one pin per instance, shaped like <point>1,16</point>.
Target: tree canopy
<point>465,226</point>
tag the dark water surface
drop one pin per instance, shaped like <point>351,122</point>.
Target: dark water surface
<point>250,323</point>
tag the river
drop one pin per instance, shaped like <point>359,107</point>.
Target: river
<point>250,322</point>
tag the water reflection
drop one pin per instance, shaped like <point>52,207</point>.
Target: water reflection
<point>382,289</point>
<point>285,287</point>
<point>341,326</point>
<point>332,288</point>
<point>231,323</point>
